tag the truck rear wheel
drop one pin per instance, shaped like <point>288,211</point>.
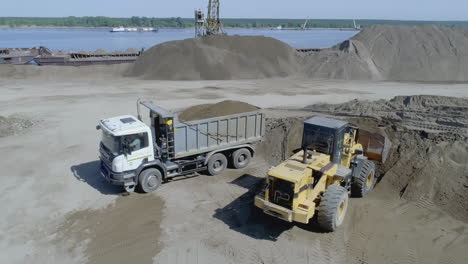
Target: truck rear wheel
<point>149,180</point>
<point>333,207</point>
<point>217,164</point>
<point>365,181</point>
<point>241,158</point>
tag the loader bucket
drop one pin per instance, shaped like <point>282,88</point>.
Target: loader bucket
<point>376,145</point>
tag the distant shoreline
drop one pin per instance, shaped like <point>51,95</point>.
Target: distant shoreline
<point>51,27</point>
<point>109,28</point>
<point>102,22</point>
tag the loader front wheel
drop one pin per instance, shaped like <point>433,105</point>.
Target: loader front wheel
<point>365,181</point>
<point>217,164</point>
<point>333,207</point>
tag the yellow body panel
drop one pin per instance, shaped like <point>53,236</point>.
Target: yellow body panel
<point>295,171</point>
<point>307,189</point>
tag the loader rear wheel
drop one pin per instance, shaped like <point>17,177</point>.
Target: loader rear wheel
<point>217,164</point>
<point>241,158</point>
<point>365,181</point>
<point>333,207</point>
<point>150,180</point>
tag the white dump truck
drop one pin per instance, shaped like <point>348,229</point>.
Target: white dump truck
<point>134,154</point>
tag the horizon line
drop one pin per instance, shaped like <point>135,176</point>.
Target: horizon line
<point>361,19</point>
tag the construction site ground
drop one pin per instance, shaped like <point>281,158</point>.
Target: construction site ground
<point>58,209</point>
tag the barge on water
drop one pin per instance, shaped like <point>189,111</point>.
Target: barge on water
<point>138,30</point>
<point>20,56</point>
<point>88,58</point>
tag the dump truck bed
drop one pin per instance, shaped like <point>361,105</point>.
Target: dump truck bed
<point>200,136</point>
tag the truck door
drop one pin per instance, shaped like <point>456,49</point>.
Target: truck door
<point>139,148</point>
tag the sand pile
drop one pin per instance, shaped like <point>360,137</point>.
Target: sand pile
<point>12,125</point>
<point>403,53</point>
<point>217,58</point>
<point>205,111</point>
<point>430,168</point>
<point>423,112</point>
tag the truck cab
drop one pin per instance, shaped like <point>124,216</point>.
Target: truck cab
<point>126,144</point>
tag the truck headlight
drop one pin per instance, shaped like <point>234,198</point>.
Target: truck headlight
<point>117,164</point>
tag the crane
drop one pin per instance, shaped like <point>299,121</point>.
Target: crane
<point>212,24</point>
<point>305,24</point>
<point>213,21</point>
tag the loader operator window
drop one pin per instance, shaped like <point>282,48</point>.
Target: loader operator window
<point>318,139</point>
<point>136,141</point>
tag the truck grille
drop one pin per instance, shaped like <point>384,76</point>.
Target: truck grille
<point>104,168</point>
<point>281,192</point>
<point>105,157</point>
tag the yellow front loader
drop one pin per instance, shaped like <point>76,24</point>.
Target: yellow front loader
<point>319,179</point>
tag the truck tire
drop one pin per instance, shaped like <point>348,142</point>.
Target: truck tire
<point>150,180</point>
<point>241,158</point>
<point>365,181</point>
<point>217,164</point>
<point>333,207</point>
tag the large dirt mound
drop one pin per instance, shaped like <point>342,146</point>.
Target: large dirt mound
<point>430,168</point>
<point>400,53</point>
<point>205,111</point>
<point>217,58</point>
<point>424,112</point>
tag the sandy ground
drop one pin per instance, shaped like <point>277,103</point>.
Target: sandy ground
<point>57,209</point>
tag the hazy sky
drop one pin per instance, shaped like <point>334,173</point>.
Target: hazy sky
<point>359,9</point>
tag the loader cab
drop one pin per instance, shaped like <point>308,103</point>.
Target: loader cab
<point>325,136</point>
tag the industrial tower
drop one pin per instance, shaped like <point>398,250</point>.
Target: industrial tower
<point>213,21</point>
<point>212,24</point>
<point>199,23</point>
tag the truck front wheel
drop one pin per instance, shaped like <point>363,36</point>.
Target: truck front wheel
<point>217,164</point>
<point>150,180</point>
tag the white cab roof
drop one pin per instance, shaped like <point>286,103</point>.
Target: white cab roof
<point>123,125</point>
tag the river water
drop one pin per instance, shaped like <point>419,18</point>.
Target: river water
<point>93,39</point>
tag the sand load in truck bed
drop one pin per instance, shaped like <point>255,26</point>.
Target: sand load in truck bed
<point>223,108</point>
<point>217,58</point>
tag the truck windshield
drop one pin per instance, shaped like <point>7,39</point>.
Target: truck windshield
<point>319,139</point>
<point>113,144</point>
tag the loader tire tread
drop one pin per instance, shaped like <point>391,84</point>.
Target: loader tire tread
<point>328,208</point>
<point>360,186</point>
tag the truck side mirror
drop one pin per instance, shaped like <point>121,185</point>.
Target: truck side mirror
<point>126,148</point>
<point>128,151</point>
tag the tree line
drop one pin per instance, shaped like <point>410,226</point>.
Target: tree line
<point>178,22</point>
